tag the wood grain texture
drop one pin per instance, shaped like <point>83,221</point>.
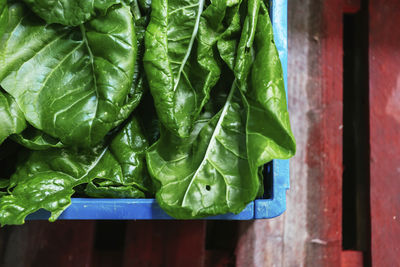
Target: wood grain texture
<point>384,62</point>
<point>351,6</point>
<point>309,233</point>
<point>260,243</point>
<point>42,244</point>
<point>351,258</point>
<point>165,243</point>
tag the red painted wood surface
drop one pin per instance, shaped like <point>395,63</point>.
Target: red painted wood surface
<point>310,232</point>
<point>352,258</point>
<point>268,243</point>
<point>384,65</point>
<point>42,244</point>
<point>351,6</point>
<point>324,151</point>
<point>165,243</point>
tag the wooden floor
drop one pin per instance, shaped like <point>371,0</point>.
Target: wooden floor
<point>310,232</point>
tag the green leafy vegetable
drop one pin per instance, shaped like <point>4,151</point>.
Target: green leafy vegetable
<point>204,79</point>
<point>216,170</point>
<point>36,140</point>
<point>46,180</point>
<point>11,117</point>
<point>3,16</point>
<point>272,139</point>
<point>112,191</point>
<point>69,12</point>
<point>212,174</point>
<point>180,61</point>
<point>79,78</point>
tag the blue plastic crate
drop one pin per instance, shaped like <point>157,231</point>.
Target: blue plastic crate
<point>276,180</point>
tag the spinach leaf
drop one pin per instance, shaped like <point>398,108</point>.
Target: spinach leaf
<point>35,139</point>
<point>47,179</point>
<point>4,183</point>
<point>79,78</point>
<point>3,16</point>
<point>112,191</point>
<point>70,12</point>
<point>266,98</point>
<point>228,42</point>
<point>215,113</point>
<point>128,148</point>
<point>217,169</point>
<point>210,172</point>
<point>265,95</point>
<point>145,5</point>
<point>180,60</point>
<point>12,119</point>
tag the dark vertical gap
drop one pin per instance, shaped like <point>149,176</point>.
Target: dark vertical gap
<point>349,145</point>
<point>356,215</point>
<point>268,181</point>
<point>221,240</point>
<point>109,242</point>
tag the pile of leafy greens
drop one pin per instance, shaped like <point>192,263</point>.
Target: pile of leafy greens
<point>181,100</point>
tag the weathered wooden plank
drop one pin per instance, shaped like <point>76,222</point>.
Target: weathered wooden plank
<point>165,243</point>
<point>351,6</point>
<point>42,244</point>
<point>351,258</point>
<point>218,258</point>
<point>261,243</point>
<point>106,258</point>
<point>309,233</point>
<point>329,211</point>
<point>384,62</point>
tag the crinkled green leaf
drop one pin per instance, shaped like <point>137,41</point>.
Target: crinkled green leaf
<point>145,5</point>
<point>71,83</point>
<point>180,60</point>
<point>113,191</point>
<point>261,179</point>
<point>4,183</point>
<point>35,139</point>
<point>12,119</point>
<point>273,138</point>
<point>253,7</point>
<point>128,147</point>
<point>259,73</point>
<point>70,12</point>
<point>217,169</point>
<point>77,86</point>
<point>3,16</point>
<point>48,190</point>
<point>211,174</point>
<point>46,180</point>
<point>228,42</point>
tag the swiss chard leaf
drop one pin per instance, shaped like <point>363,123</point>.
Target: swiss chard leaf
<point>79,78</point>
<point>12,119</point>
<point>70,12</point>
<point>46,180</point>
